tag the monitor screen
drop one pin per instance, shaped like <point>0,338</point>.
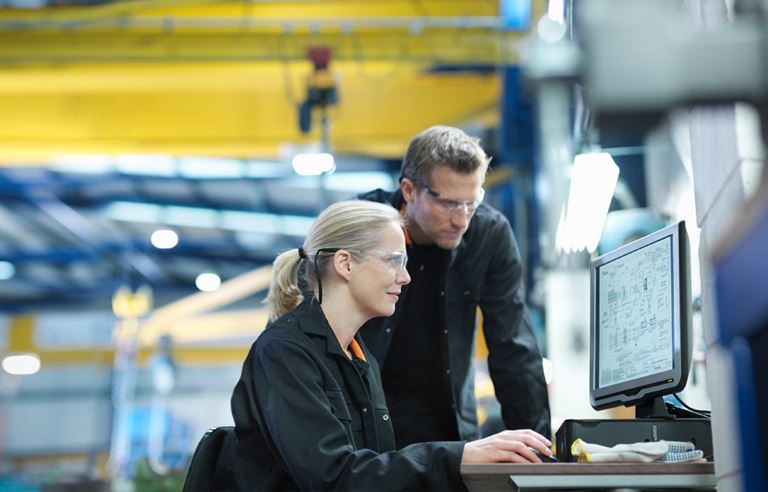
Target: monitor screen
<point>640,320</point>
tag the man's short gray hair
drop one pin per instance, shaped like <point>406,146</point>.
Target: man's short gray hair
<point>442,145</point>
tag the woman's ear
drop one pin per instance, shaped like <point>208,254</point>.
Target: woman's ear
<point>342,264</point>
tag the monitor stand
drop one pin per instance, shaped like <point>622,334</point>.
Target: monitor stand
<point>655,408</point>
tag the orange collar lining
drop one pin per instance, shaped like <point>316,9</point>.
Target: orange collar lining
<point>355,348</point>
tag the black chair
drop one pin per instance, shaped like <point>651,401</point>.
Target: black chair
<point>203,464</point>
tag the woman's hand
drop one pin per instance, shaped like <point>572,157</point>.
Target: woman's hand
<point>509,446</point>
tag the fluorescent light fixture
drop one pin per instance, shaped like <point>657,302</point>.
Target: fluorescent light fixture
<point>593,181</point>
<point>27,4</point>
<point>360,181</point>
<point>550,30</point>
<point>549,370</point>
<point>295,225</point>
<point>164,239</point>
<point>83,164</point>
<point>134,212</point>
<point>233,220</point>
<point>313,164</point>
<point>146,165</point>
<point>267,169</point>
<point>7,270</point>
<point>21,364</point>
<point>556,11</point>
<point>208,282</point>
<point>560,239</point>
<point>191,216</point>
<point>254,240</point>
<point>210,168</point>
<point>249,221</point>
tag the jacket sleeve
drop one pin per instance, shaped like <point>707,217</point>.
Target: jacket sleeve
<point>514,360</point>
<point>298,415</point>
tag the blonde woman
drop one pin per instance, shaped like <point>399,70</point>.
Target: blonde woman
<point>309,409</point>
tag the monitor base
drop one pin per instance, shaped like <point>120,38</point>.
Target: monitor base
<point>653,408</point>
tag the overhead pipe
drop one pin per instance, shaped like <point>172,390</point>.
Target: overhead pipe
<point>288,26</point>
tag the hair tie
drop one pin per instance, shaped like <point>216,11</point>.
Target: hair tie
<point>302,254</point>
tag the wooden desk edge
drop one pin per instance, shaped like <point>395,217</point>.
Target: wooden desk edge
<point>589,469</point>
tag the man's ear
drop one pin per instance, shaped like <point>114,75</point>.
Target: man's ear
<point>408,189</point>
<point>342,264</point>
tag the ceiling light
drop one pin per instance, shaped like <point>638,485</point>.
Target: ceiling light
<point>164,239</point>
<point>235,220</point>
<point>313,164</point>
<point>549,370</point>
<point>550,30</point>
<point>21,364</point>
<point>266,169</point>
<point>191,216</point>
<point>249,221</point>
<point>7,270</point>
<point>146,165</point>
<point>294,225</point>
<point>210,167</point>
<point>358,182</point>
<point>593,181</point>
<point>208,282</point>
<point>83,164</point>
<point>555,11</point>
<point>134,212</point>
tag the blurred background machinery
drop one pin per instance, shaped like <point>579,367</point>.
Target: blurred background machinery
<point>175,146</point>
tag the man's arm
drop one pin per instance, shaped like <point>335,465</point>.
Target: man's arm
<point>514,359</point>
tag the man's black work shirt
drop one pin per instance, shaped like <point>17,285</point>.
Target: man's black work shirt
<point>485,270</point>
<point>418,393</point>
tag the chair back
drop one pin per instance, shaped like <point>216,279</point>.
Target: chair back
<point>203,465</point>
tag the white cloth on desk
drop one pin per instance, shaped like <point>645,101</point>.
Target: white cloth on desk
<point>639,452</point>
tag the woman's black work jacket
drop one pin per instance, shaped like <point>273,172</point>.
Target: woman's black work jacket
<point>309,418</point>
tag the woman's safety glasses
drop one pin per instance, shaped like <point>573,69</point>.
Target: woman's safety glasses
<point>394,260</point>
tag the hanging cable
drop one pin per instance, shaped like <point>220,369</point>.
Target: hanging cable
<point>702,413</point>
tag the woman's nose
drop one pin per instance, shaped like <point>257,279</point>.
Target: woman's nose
<point>403,277</point>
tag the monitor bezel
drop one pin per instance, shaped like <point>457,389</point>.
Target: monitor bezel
<point>638,390</point>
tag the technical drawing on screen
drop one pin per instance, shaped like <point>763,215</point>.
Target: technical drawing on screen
<point>640,321</point>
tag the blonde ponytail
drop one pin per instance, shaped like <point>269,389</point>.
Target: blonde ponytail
<point>284,291</point>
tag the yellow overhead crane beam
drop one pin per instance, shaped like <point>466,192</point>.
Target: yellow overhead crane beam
<point>434,31</point>
<point>259,9</point>
<point>434,45</point>
<point>224,78</point>
<point>239,110</point>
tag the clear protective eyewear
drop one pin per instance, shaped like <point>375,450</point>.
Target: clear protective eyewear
<point>449,206</point>
<point>394,260</point>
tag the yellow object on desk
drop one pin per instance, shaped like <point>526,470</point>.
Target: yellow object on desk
<point>639,452</point>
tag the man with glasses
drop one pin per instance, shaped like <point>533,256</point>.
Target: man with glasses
<point>461,254</point>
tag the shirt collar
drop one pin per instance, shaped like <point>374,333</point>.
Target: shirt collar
<point>312,321</point>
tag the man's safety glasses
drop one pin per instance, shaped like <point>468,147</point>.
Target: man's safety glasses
<point>449,206</point>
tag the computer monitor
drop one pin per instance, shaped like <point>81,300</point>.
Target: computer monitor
<point>640,343</point>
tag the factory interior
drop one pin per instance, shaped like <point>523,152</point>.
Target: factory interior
<point>156,155</point>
